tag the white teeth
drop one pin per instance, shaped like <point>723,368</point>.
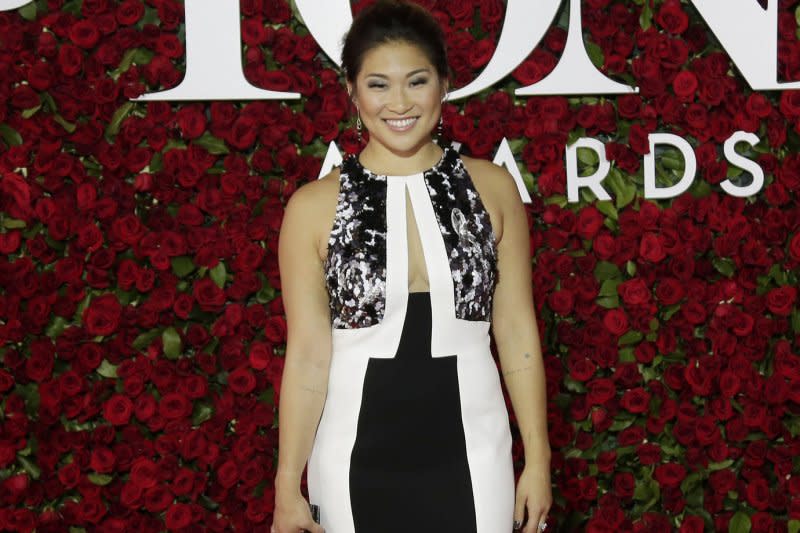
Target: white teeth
<point>401,123</point>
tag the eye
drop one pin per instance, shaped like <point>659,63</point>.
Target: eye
<point>419,81</point>
<point>376,85</point>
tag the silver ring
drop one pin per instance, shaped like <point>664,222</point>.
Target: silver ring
<point>542,526</point>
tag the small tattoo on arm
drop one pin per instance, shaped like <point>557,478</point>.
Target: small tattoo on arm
<point>510,372</point>
<point>312,389</point>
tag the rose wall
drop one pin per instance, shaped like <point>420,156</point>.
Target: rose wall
<point>141,327</point>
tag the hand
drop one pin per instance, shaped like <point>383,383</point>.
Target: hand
<point>293,515</point>
<point>534,492</point>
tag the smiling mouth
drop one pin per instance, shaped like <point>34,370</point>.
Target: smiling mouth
<point>401,124</point>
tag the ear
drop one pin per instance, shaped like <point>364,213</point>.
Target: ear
<point>445,89</point>
<point>351,94</point>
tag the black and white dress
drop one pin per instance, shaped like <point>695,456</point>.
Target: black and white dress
<point>414,435</point>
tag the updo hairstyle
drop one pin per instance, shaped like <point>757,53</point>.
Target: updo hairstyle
<point>392,21</point>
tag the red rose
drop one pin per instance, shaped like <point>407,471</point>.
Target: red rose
<point>208,295</point>
<point>790,104</point>
<point>179,515</point>
<point>241,380</point>
<point>624,484</point>
<point>102,315</point>
<point>118,409</point>
<point>692,524</point>
<point>158,499</point>
<point>636,400</point>
<point>634,291</point>
<point>672,18</point>
<point>227,474</point>
<point>589,222</point>
<point>275,329</point>
<point>481,53</point>
<point>616,321</point>
<point>669,474</point>
<point>174,405</point>
<point>581,369</point>
<point>651,248</point>
<point>684,85</point>
<point>260,354</point>
<point>102,460</point>
<point>758,493</point>
<point>84,33</point>
<point>781,300</point>
<point>144,473</point>
<point>561,301</point>
<point>600,391</point>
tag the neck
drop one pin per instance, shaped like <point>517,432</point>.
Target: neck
<point>385,161</point>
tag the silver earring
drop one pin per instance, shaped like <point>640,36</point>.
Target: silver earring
<point>439,128</point>
<point>358,129</point>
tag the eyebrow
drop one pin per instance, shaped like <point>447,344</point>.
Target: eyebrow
<point>412,73</point>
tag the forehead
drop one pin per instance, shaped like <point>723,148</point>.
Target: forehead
<point>394,57</point>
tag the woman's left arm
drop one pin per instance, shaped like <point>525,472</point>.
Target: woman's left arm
<point>519,348</point>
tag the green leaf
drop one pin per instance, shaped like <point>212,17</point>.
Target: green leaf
<point>607,208</point>
<point>28,11</point>
<point>100,479</point>
<point>740,523</point>
<point>172,343</point>
<point>69,127</point>
<point>10,135</point>
<point>55,327</point>
<point>266,294</point>
<point>795,320</point>
<point>217,274</point>
<point>144,339</point>
<point>671,310</point>
<point>116,120</point>
<point>608,302</point>
<point>723,266</point>
<point>595,54</point>
<point>794,525</point>
<point>76,529</point>
<point>587,156</point>
<point>107,370</point>
<point>29,466</point>
<point>646,16</point>
<point>182,266</point>
<point>13,223</point>
<point>626,355</point>
<point>630,268</point>
<point>609,287</point>
<point>202,412</point>
<point>605,270</point>
<point>720,466</point>
<point>631,337</point>
<point>213,145</point>
<point>28,113</point>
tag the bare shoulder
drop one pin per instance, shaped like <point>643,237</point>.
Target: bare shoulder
<point>496,187</point>
<point>313,206</point>
<point>493,182</point>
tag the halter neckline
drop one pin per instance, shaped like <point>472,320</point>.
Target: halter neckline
<point>445,154</point>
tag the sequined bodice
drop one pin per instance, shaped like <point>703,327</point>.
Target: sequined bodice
<point>356,269</point>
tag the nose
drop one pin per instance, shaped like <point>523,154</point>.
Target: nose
<point>398,100</point>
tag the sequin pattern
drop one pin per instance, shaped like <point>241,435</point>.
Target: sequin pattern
<point>355,269</point>
<point>468,237</point>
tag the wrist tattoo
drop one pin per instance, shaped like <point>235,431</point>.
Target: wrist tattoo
<point>312,389</point>
<point>510,372</point>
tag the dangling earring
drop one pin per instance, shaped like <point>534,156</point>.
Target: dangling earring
<point>439,129</point>
<point>358,130</point>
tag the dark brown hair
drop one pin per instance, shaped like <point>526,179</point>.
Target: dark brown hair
<point>389,21</point>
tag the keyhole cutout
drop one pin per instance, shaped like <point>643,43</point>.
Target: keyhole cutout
<point>417,269</point>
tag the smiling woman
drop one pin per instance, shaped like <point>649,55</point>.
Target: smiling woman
<point>390,275</point>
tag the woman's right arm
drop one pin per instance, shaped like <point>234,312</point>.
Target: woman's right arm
<point>308,352</point>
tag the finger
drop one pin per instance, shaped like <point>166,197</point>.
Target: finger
<point>313,527</point>
<point>532,525</point>
<point>519,512</point>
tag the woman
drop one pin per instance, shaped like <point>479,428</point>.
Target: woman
<point>393,267</point>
